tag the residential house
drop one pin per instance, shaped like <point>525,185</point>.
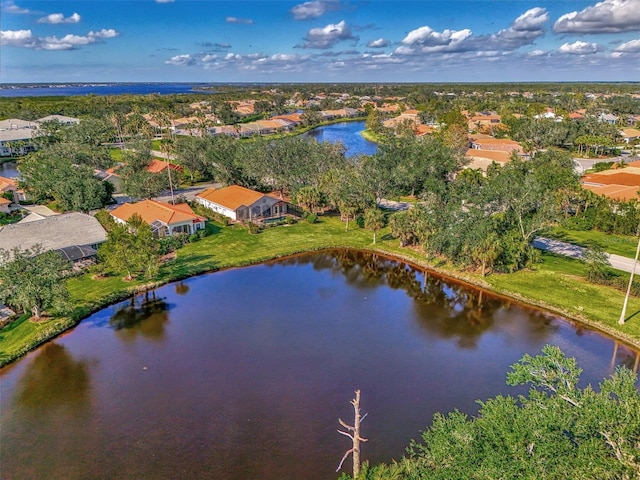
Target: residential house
<point>630,135</point>
<point>11,185</point>
<point>5,205</point>
<point>75,235</point>
<point>618,184</point>
<point>240,203</point>
<point>484,121</point>
<point>62,119</point>
<point>37,212</point>
<point>496,144</point>
<point>608,118</point>
<point>16,137</point>
<point>164,218</point>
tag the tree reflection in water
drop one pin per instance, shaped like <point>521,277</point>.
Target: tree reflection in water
<point>54,380</point>
<point>445,308</point>
<point>144,315</point>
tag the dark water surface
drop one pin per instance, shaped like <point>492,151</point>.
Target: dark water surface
<point>242,374</point>
<point>349,133</point>
<point>9,169</point>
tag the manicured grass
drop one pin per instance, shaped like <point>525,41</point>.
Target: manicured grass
<point>557,283</point>
<point>155,145</point>
<point>116,154</point>
<point>616,244</point>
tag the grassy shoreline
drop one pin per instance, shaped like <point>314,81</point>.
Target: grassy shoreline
<point>554,285</point>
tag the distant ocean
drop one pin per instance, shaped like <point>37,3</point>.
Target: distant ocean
<point>75,89</point>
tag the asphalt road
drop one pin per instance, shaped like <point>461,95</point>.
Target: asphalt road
<point>569,250</point>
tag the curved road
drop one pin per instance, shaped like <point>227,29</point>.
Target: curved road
<point>569,250</point>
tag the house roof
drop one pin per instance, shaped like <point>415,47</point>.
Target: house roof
<point>498,156</point>
<point>616,192</point>
<point>153,210</point>
<point>157,166</point>
<point>7,184</point>
<point>630,132</point>
<point>231,197</point>
<point>4,201</point>
<point>629,176</point>
<point>53,233</point>
<point>59,118</point>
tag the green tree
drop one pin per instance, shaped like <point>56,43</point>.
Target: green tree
<point>310,198</point>
<point>33,280</point>
<point>131,249</point>
<point>374,220</point>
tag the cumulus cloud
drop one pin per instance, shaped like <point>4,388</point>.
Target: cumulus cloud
<point>536,53</point>
<point>608,16</point>
<point>579,48</point>
<point>523,31</point>
<point>379,43</point>
<point>18,38</point>
<point>25,39</point>
<point>184,60</point>
<point>57,18</point>
<point>427,40</point>
<point>313,9</point>
<point>327,37</point>
<point>10,7</point>
<point>243,21</point>
<point>632,46</point>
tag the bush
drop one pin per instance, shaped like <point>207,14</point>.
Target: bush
<point>253,228</point>
<point>313,218</point>
<point>291,221</point>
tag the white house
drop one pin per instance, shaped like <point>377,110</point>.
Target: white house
<point>240,203</point>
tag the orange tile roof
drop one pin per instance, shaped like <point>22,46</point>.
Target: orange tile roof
<point>616,192</point>
<point>231,197</point>
<point>498,156</point>
<point>629,176</point>
<point>424,130</point>
<point>7,183</point>
<point>152,210</point>
<point>157,166</point>
<point>4,201</point>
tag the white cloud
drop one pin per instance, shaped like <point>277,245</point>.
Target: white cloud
<point>25,39</point>
<point>379,43</point>
<point>523,31</point>
<point>58,18</point>
<point>10,7</point>
<point>18,38</point>
<point>104,33</point>
<point>313,9</point>
<point>181,60</point>
<point>536,53</point>
<point>608,16</point>
<point>427,40</point>
<point>579,48</point>
<point>327,37</point>
<point>244,21</point>
<point>632,46</point>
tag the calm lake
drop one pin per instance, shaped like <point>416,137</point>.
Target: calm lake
<point>8,169</point>
<point>243,373</point>
<point>349,133</point>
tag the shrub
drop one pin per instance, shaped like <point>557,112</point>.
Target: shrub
<point>313,218</point>
<point>253,228</point>
<point>291,221</point>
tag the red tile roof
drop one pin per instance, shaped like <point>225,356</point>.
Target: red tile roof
<point>152,210</point>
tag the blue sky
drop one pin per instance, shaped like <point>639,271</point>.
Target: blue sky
<point>319,41</point>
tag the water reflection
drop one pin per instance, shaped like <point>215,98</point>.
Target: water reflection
<point>182,288</point>
<point>146,316</point>
<point>54,380</point>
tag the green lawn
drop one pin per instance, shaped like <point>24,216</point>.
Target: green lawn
<point>556,283</point>
<point>616,244</point>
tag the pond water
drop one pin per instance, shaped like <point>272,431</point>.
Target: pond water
<point>242,374</point>
<point>8,169</point>
<point>349,133</point>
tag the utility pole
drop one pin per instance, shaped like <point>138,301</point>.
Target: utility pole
<point>354,436</point>
<point>623,315</point>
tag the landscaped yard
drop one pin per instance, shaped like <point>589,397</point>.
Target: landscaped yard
<point>556,283</point>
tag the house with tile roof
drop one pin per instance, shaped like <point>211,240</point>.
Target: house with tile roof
<point>4,205</point>
<point>164,218</point>
<point>11,185</point>
<point>242,204</point>
<point>496,144</point>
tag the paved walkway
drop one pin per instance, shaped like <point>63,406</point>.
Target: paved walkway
<point>569,250</point>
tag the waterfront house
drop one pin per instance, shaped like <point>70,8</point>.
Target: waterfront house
<point>75,235</point>
<point>242,204</point>
<point>164,218</point>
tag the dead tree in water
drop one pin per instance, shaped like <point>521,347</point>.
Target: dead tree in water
<point>354,436</point>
